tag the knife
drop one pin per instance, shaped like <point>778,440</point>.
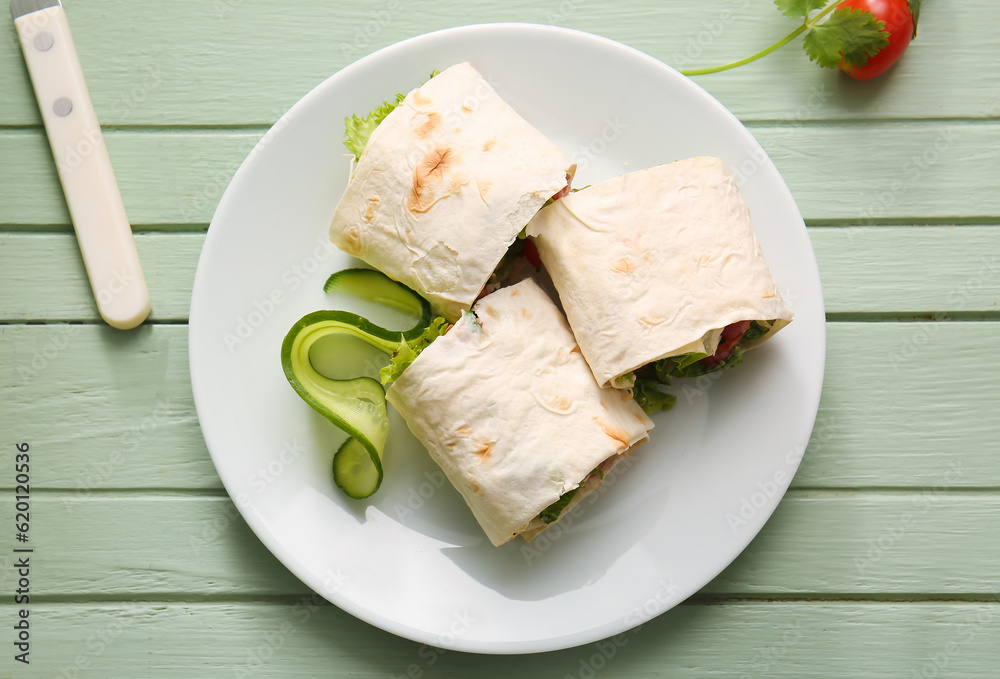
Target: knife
<point>95,204</point>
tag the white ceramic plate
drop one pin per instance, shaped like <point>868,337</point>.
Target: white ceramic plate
<point>413,561</point>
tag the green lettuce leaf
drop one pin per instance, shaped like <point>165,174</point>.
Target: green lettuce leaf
<point>649,397</point>
<point>552,512</point>
<point>407,352</point>
<point>360,129</point>
<point>756,331</point>
<point>667,368</point>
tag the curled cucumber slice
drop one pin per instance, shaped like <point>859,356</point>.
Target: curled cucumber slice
<point>375,286</point>
<point>317,363</point>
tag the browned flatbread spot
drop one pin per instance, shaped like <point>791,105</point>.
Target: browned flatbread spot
<point>420,100</point>
<point>484,449</point>
<point>560,403</point>
<point>433,120</point>
<point>463,431</point>
<point>474,487</point>
<point>525,313</point>
<point>466,108</point>
<point>457,183</point>
<point>489,144</point>
<point>624,265</point>
<point>431,169</point>
<point>618,435</point>
<point>373,202</point>
<point>352,240</point>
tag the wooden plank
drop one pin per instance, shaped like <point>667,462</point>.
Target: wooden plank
<point>916,270</point>
<point>61,291</point>
<point>903,404</point>
<point>904,544</point>
<point>234,47</point>
<point>113,409</point>
<point>117,407</point>
<point>926,171</point>
<point>304,638</point>
<point>164,177</point>
<point>909,269</point>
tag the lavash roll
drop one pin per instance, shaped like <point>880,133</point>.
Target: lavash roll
<point>656,263</point>
<point>445,183</point>
<point>509,409</point>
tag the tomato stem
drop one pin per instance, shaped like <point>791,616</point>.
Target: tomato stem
<point>806,25</point>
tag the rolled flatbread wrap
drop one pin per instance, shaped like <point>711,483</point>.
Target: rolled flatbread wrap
<point>658,263</point>
<point>509,409</point>
<point>445,183</point>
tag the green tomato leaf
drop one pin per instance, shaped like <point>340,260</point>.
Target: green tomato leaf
<point>852,34</point>
<point>915,11</point>
<point>799,8</point>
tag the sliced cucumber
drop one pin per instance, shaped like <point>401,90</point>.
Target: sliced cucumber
<point>319,365</point>
<point>354,470</point>
<point>375,286</point>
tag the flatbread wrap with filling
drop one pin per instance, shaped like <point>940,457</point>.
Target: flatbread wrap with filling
<point>445,183</point>
<point>506,405</point>
<point>660,270</point>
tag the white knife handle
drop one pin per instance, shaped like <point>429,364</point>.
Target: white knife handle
<point>88,181</point>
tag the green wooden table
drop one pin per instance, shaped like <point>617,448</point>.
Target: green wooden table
<point>882,560</point>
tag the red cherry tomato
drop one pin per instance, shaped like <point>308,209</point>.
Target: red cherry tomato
<point>898,23</point>
<point>731,336</point>
<point>530,251</point>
